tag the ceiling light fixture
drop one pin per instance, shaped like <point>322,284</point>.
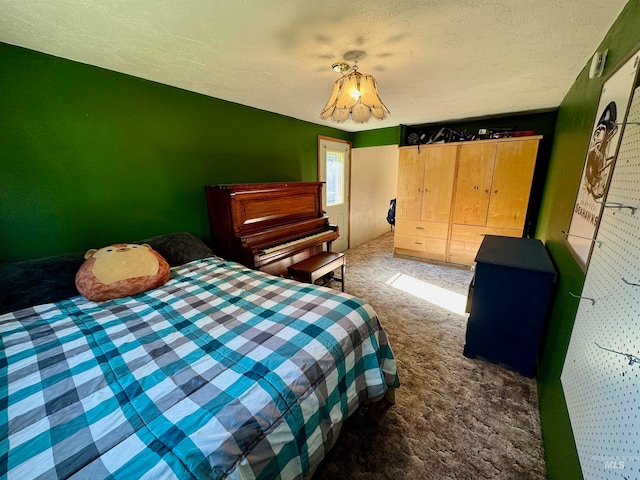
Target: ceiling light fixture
<point>354,95</point>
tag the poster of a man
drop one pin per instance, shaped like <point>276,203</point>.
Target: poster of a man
<point>599,157</point>
<point>600,160</point>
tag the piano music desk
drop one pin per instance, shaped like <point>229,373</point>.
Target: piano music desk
<point>317,266</point>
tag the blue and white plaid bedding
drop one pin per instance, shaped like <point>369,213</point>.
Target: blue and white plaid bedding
<point>224,372</point>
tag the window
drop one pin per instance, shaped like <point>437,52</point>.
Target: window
<point>335,177</point>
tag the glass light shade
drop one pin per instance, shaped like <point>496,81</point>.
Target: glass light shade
<point>356,96</point>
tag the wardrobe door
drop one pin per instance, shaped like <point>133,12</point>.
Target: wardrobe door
<point>440,167</point>
<point>475,172</point>
<point>512,177</point>
<point>410,184</point>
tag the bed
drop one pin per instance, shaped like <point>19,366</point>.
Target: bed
<point>224,372</point>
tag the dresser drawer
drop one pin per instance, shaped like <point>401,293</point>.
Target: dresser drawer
<point>475,234</point>
<point>422,229</point>
<point>426,247</point>
<point>463,252</point>
<point>410,242</point>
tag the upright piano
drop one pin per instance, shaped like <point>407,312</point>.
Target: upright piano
<point>268,226</point>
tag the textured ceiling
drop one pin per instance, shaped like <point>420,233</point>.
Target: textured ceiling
<point>433,60</point>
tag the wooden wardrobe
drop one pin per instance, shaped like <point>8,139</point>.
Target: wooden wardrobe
<point>450,195</point>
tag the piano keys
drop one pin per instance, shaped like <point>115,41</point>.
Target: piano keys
<point>268,226</point>
<point>293,243</point>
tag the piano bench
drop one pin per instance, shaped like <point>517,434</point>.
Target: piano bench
<point>318,266</point>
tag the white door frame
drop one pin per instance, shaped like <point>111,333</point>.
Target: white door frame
<point>322,141</point>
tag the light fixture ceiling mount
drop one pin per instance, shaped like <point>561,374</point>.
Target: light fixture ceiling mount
<point>354,95</point>
<point>341,67</point>
<point>354,55</point>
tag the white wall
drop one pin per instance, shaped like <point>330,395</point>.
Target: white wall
<point>374,174</point>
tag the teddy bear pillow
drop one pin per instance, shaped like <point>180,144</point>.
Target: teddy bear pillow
<point>121,270</point>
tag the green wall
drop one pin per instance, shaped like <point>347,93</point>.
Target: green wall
<point>89,156</point>
<point>377,137</point>
<point>573,130</point>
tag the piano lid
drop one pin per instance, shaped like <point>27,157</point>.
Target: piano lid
<point>255,207</point>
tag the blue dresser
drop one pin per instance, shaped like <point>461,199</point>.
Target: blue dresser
<point>508,301</point>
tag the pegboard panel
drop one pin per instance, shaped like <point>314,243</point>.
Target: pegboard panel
<point>601,374</point>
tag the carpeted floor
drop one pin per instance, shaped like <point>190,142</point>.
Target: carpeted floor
<point>455,418</point>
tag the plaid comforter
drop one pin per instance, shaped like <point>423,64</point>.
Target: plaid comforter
<point>224,372</point>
